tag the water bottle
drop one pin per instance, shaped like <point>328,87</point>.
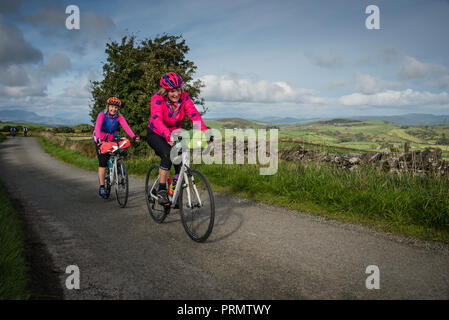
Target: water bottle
<point>169,182</point>
<point>173,184</point>
<point>111,163</point>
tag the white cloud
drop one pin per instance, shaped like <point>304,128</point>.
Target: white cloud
<point>230,89</point>
<point>81,89</point>
<point>23,80</point>
<point>329,61</point>
<point>368,84</point>
<point>14,75</point>
<point>337,84</point>
<point>412,69</point>
<point>440,83</point>
<point>58,64</point>
<point>13,47</point>
<point>391,98</point>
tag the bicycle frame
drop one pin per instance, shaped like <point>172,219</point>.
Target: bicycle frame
<point>113,171</point>
<point>113,176</point>
<point>185,161</point>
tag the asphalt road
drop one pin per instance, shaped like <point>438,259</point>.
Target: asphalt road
<point>255,251</point>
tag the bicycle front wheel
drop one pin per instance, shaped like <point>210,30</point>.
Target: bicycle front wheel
<point>156,211</point>
<point>107,183</point>
<point>198,206</point>
<point>122,188</point>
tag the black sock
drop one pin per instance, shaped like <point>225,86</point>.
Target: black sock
<point>101,185</point>
<point>162,186</point>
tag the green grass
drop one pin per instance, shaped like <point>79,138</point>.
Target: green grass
<point>14,279</point>
<point>407,205</point>
<point>2,137</point>
<point>69,156</point>
<point>404,205</point>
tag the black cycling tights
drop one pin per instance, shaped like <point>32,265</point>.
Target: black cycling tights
<point>162,149</point>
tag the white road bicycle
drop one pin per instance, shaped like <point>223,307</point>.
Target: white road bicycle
<point>117,175</point>
<point>193,197</point>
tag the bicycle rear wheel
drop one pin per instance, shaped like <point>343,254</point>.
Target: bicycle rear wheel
<point>122,188</point>
<point>198,214</point>
<point>156,211</point>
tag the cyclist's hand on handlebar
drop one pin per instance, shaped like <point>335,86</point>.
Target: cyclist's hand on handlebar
<point>136,138</point>
<point>172,141</point>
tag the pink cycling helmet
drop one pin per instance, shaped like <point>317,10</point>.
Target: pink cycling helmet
<point>171,80</point>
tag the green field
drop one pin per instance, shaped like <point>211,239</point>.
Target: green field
<point>371,135</point>
<point>342,135</point>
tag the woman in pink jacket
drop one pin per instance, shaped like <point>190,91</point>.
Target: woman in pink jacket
<point>168,109</point>
<point>106,128</point>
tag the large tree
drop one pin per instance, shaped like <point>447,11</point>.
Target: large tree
<point>132,72</point>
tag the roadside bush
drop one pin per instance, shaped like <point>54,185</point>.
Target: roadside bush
<point>83,128</point>
<point>63,130</point>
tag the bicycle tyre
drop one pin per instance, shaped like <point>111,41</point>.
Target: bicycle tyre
<point>107,184</point>
<point>198,225</point>
<point>122,177</point>
<point>156,211</point>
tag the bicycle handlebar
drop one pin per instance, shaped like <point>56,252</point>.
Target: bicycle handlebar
<point>210,145</point>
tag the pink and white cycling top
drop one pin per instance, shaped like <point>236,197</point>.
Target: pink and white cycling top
<point>107,125</point>
<point>164,121</point>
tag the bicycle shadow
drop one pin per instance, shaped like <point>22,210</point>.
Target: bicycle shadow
<point>228,218</point>
<point>228,213</point>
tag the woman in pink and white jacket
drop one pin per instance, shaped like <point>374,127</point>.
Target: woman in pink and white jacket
<point>168,109</point>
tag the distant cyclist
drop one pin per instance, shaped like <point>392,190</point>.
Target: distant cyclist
<point>168,108</point>
<point>106,128</point>
<point>25,131</point>
<point>13,131</point>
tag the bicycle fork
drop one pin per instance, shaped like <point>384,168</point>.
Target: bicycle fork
<point>189,198</point>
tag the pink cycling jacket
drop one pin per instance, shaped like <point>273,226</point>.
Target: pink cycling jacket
<point>164,121</point>
<point>107,125</point>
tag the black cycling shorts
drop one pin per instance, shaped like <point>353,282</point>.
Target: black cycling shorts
<point>162,149</point>
<point>102,157</point>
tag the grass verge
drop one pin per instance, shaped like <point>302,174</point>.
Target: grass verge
<point>69,156</point>
<point>404,205</point>
<point>14,278</point>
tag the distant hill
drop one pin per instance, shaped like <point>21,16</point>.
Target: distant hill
<point>285,120</point>
<point>411,119</point>
<point>237,121</point>
<point>231,123</point>
<point>338,121</point>
<point>22,116</point>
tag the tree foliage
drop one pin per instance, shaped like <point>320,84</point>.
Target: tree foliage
<point>132,72</point>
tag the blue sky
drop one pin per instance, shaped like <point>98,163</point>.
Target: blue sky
<point>257,58</point>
